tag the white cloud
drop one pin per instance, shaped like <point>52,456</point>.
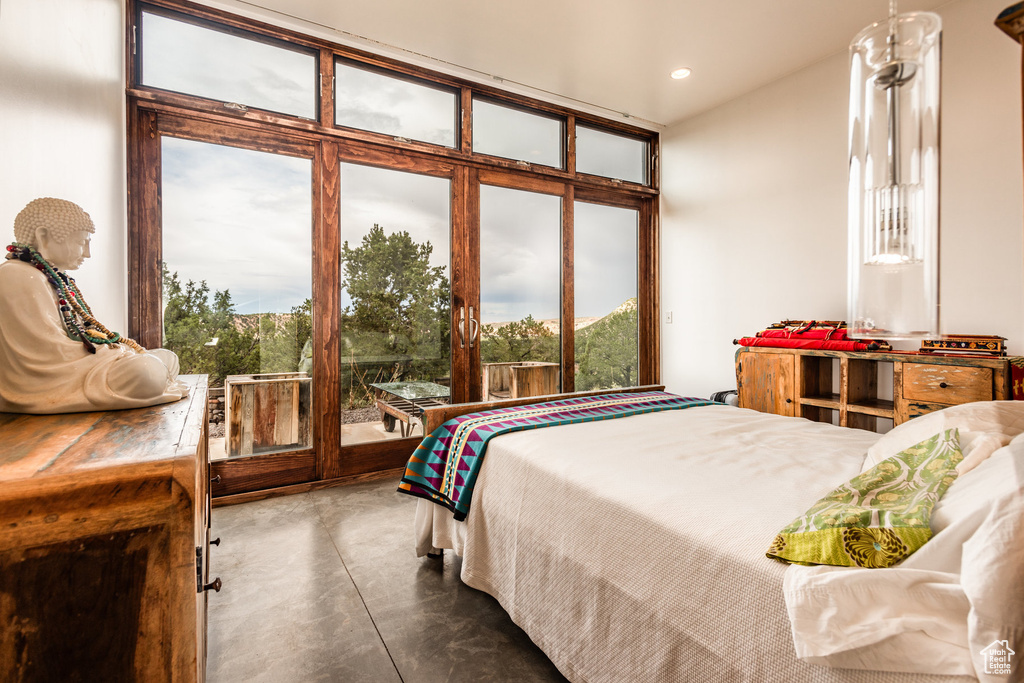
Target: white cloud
<point>186,58</point>
<point>520,255</point>
<point>605,262</point>
<point>393,106</point>
<point>240,220</point>
<point>397,201</point>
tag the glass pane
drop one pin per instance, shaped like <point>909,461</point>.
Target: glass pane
<point>199,61</point>
<point>607,319</point>
<point>610,155</point>
<point>520,292</point>
<point>373,101</point>
<point>514,134</point>
<point>238,287</point>
<point>395,300</point>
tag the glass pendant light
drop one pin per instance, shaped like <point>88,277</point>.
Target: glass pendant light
<point>894,178</point>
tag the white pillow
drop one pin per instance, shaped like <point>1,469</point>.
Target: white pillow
<point>985,426</point>
<point>988,504</point>
<point>943,605</point>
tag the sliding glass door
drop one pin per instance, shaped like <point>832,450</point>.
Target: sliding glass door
<point>237,289</point>
<point>395,318</point>
<point>520,292</point>
<point>559,290</point>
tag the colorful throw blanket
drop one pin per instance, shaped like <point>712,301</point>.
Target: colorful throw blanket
<point>444,466</point>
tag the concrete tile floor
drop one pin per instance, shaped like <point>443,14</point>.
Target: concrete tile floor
<point>325,586</point>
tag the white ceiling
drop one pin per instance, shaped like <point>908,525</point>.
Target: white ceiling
<point>611,54</point>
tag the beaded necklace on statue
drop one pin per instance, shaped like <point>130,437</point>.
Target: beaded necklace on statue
<point>78,320</point>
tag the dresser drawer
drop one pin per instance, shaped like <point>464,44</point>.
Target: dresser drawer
<point>948,384</point>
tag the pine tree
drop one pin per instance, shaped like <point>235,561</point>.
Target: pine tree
<point>607,352</point>
<point>398,324</point>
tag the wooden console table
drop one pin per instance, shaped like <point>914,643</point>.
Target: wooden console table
<point>104,544</point>
<point>799,382</point>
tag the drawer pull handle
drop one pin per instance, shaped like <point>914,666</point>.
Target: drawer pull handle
<point>215,585</point>
<point>215,480</point>
<point>943,385</point>
<point>215,541</point>
<point>789,400</point>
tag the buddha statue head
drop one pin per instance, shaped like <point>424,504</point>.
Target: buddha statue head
<point>56,228</point>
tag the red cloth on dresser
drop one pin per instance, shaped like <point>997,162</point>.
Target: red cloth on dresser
<point>800,342</point>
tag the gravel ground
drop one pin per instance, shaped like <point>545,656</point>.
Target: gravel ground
<point>370,414</point>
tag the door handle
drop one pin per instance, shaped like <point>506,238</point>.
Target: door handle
<point>461,327</point>
<point>474,327</point>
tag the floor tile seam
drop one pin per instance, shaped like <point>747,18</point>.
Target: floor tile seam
<point>355,585</point>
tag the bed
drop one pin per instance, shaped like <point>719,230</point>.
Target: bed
<point>634,550</point>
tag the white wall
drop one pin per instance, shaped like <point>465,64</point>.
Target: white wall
<point>62,128</point>
<point>754,205</point>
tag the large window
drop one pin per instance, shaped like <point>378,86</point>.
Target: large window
<point>353,238</point>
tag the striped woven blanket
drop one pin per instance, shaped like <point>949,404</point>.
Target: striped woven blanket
<point>444,466</point>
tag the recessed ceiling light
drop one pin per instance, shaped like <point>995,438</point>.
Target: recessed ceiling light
<point>681,73</point>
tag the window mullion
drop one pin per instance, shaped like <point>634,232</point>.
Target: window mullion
<point>568,325</point>
<point>327,103</point>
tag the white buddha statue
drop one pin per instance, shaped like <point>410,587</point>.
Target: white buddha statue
<point>55,357</point>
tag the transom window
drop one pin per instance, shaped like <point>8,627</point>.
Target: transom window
<point>243,70</point>
<point>374,101</point>
<point>515,134</point>
<point>612,156</point>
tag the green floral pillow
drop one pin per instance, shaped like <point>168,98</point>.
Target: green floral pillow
<point>880,516</point>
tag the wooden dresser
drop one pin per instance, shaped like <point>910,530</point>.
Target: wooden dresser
<point>803,383</point>
<point>104,544</point>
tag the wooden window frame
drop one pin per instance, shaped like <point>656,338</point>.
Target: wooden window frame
<point>152,113</point>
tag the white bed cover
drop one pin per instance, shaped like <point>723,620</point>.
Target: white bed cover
<point>633,549</point>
